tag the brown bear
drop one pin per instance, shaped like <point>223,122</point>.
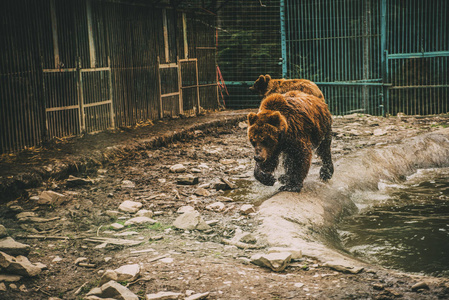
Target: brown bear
<point>265,86</point>
<point>291,124</point>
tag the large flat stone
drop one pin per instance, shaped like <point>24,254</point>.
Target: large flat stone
<point>11,247</point>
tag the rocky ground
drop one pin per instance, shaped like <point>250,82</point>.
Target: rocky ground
<point>180,218</point>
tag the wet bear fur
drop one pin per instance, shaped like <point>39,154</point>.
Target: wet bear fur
<point>291,124</point>
<point>265,86</point>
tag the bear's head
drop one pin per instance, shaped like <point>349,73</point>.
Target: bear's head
<point>260,86</point>
<point>265,131</point>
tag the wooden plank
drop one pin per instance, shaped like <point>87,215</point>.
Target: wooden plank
<point>184,32</point>
<point>61,108</point>
<point>98,103</point>
<point>166,66</point>
<point>161,110</point>
<point>180,102</point>
<point>59,70</point>
<point>164,21</point>
<point>110,94</point>
<point>170,94</point>
<point>96,69</point>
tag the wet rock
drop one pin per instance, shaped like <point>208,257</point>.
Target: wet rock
<point>296,253</point>
<point>164,296</point>
<point>344,268</point>
<point>246,209</point>
<point>202,192</point>
<point>76,181</point>
<point>128,184</point>
<point>3,231</point>
<point>19,265</point>
<point>190,221</point>
<point>128,272</point>
<point>130,206</point>
<point>420,286</point>
<point>51,198</point>
<point>140,221</point>
<point>113,289</point>
<point>216,206</point>
<point>116,226</point>
<point>9,246</point>
<point>275,261</point>
<point>184,209</point>
<point>178,168</point>
<point>197,296</point>
<point>187,180</point>
<point>144,213</point>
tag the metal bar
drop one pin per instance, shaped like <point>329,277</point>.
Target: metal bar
<point>419,86</point>
<point>98,103</point>
<point>384,56</point>
<point>283,39</point>
<point>199,85</point>
<point>418,55</point>
<point>206,48</point>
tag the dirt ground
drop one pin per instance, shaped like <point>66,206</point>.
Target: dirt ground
<point>178,260</point>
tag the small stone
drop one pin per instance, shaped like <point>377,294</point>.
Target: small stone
<point>76,181</point>
<point>23,288</point>
<point>420,286</point>
<point>140,221</point>
<point>243,125</point>
<point>212,222</point>
<point>178,168</point>
<point>25,215</point>
<point>19,265</point>
<point>56,259</point>
<point>112,213</point>
<point>130,206</point>
<point>2,287</point>
<point>343,268</point>
<point>224,199</point>
<point>187,180</point>
<point>226,161</point>
<point>230,185</point>
<point>197,296</point>
<point>116,226</point>
<point>51,198</point>
<point>246,209</point>
<point>195,170</point>
<point>9,278</point>
<point>144,213</point>
<point>9,246</point>
<point>128,184</point>
<point>184,209</point>
<point>13,287</point>
<point>128,272</point>
<point>378,286</point>
<point>275,261</point>
<point>107,276</point>
<point>156,238</point>
<point>190,221</point>
<point>80,260</point>
<point>126,233</point>
<point>202,192</point>
<point>248,238</point>
<point>164,296</point>
<point>102,171</point>
<point>115,290</point>
<point>216,206</point>
<point>379,132</point>
<point>3,231</point>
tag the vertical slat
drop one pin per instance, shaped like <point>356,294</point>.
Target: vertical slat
<point>92,55</point>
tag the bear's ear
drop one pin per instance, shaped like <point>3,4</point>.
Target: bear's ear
<point>252,117</point>
<point>277,120</point>
<point>267,78</point>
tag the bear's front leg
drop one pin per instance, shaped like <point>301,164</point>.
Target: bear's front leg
<point>296,167</point>
<point>262,177</point>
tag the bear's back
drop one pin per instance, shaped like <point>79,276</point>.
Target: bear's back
<point>282,86</point>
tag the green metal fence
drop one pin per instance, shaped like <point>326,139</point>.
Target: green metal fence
<point>368,56</point>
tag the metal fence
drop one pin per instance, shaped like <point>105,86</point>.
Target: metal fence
<point>368,56</point>
<point>83,66</point>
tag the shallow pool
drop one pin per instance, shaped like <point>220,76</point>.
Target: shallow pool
<point>405,227</point>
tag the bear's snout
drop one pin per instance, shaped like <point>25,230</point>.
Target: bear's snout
<point>258,158</point>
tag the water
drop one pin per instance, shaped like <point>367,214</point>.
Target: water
<point>407,228</point>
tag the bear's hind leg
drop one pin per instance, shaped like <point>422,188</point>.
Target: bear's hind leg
<point>324,152</point>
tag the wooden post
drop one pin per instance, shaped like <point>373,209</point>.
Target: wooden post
<point>80,96</point>
<point>161,110</point>
<point>93,59</point>
<point>110,94</point>
<point>181,104</point>
<point>164,22</point>
<point>54,29</point>
<point>184,31</point>
<point>197,88</point>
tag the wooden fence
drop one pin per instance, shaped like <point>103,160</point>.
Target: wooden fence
<point>83,66</point>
